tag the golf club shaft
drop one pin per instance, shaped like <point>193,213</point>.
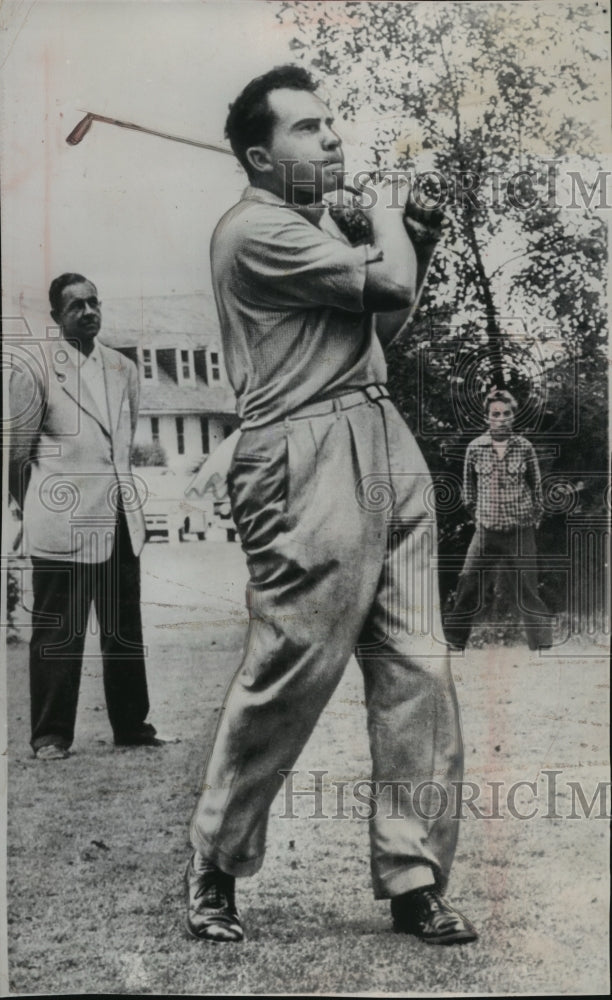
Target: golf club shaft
<point>83,127</point>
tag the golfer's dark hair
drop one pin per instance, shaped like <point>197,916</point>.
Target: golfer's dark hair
<point>57,287</point>
<point>500,396</point>
<point>250,120</point>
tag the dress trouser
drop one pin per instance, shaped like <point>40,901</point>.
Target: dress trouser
<point>335,515</point>
<point>63,594</point>
<point>514,551</point>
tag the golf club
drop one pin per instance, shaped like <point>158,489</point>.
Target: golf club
<point>352,220</point>
<point>80,131</point>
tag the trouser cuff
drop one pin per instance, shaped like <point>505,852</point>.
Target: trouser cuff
<point>228,863</point>
<point>405,879</point>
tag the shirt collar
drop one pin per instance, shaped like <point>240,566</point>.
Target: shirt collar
<point>489,439</point>
<point>311,212</point>
<point>78,358</point>
<point>252,193</point>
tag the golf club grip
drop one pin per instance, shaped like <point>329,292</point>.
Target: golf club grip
<point>355,225</point>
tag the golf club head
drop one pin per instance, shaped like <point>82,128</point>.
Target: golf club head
<point>80,130</point>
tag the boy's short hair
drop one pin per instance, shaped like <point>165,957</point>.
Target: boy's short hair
<point>500,396</point>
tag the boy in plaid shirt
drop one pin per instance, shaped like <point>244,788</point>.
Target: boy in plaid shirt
<point>502,491</point>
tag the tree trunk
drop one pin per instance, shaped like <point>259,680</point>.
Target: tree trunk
<point>494,333</point>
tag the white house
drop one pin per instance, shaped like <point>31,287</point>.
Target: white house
<point>186,403</point>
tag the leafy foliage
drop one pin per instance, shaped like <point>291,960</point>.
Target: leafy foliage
<point>489,106</point>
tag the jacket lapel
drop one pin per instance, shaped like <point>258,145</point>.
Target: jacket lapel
<point>115,378</point>
<point>67,375</point>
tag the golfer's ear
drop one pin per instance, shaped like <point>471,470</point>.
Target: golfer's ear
<point>259,159</point>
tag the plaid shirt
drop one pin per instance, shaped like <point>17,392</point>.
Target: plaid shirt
<point>502,493</point>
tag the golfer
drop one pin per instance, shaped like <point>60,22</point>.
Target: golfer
<point>297,306</point>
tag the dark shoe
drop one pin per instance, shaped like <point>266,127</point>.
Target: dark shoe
<point>51,751</point>
<point>424,913</point>
<point>211,909</point>
<point>146,736</point>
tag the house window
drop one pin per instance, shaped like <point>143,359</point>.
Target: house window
<point>180,435</point>
<point>184,366</point>
<point>186,370</point>
<point>215,371</point>
<point>205,435</point>
<point>147,363</point>
<point>155,430</point>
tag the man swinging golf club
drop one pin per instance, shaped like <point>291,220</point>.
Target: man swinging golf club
<point>297,307</point>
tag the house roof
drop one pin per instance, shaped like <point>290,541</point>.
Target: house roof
<point>161,321</point>
<point>177,321</point>
<point>165,396</point>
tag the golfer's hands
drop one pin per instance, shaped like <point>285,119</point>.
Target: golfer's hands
<point>383,196</point>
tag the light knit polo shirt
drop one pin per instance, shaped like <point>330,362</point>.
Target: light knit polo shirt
<point>289,295</point>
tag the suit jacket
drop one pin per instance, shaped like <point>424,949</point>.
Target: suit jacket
<point>68,468</point>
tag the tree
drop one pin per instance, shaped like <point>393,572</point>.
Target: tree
<point>464,89</point>
<point>488,106</point>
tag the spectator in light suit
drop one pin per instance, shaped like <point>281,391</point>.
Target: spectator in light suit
<point>74,407</point>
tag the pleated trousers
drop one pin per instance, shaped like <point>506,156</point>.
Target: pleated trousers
<point>335,513</point>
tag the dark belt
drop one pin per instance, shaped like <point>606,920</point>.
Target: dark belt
<point>346,401</point>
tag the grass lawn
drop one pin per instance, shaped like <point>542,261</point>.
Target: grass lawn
<point>97,844</point>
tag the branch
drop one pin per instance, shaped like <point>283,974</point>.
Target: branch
<point>535,248</point>
<point>452,89</point>
<point>509,261</point>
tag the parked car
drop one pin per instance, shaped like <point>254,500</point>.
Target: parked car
<point>165,509</point>
<point>173,512</point>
